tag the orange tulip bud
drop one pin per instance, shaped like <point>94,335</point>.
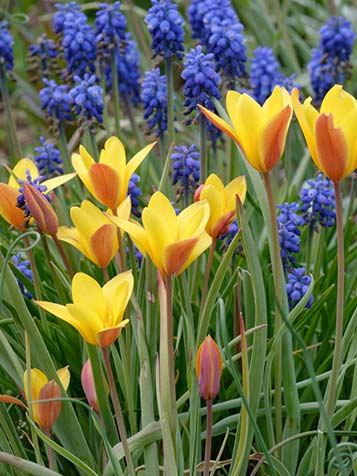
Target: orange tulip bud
<point>41,210</point>
<point>208,368</point>
<point>89,385</point>
<point>48,411</point>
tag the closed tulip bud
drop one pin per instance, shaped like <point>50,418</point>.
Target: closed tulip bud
<point>89,385</point>
<point>208,368</point>
<point>41,210</point>
<point>48,411</point>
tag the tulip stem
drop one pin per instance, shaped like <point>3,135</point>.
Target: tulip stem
<point>118,412</point>
<point>50,454</point>
<point>277,274</point>
<point>208,438</point>
<point>63,256</point>
<point>170,339</point>
<point>115,89</point>
<point>208,272</point>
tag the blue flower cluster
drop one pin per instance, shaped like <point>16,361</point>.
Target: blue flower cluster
<point>87,98</point>
<point>23,265</point>
<point>56,101</point>
<point>66,13</point>
<point>154,99</point>
<point>329,63</point>
<point>297,286</point>
<point>289,233</point>
<point>264,74</point>
<point>318,202</point>
<point>110,24</point>
<point>128,62</point>
<point>6,48</point>
<point>186,168</point>
<point>48,160</point>
<point>21,202</point>
<point>42,55</point>
<point>201,80</point>
<point>135,192</point>
<point>165,25</point>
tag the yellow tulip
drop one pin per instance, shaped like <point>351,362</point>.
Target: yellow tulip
<point>171,241</point>
<point>45,413</point>
<point>9,192</point>
<point>93,234</point>
<point>330,134</point>
<point>108,179</point>
<point>97,313</point>
<point>259,131</point>
<point>222,202</point>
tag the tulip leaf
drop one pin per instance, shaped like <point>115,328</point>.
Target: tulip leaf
<point>26,466</point>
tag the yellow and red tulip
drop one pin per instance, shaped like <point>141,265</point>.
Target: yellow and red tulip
<point>93,234</point>
<point>208,368</point>
<point>97,313</point>
<point>222,202</point>
<point>108,179</point>
<point>10,191</point>
<point>45,413</point>
<point>171,241</point>
<point>331,133</point>
<point>259,131</point>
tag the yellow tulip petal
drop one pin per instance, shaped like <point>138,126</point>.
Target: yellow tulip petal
<point>162,205</point>
<point>57,181</point>
<point>278,100</point>
<point>114,155</point>
<point>176,255</point>
<point>232,99</point>
<point>214,180</point>
<point>216,201</point>
<point>219,123</point>
<point>204,241</point>
<point>349,127</point>
<point>87,293</point>
<point>88,218</point>
<point>87,159</point>
<point>109,289</point>
<point>134,163</point>
<point>107,185</point>
<point>72,236</point>
<point>136,232</point>
<point>158,235</point>
<point>81,167</point>
<point>38,380</point>
<point>247,121</point>
<point>107,337</point>
<point>272,139</point>
<point>338,102</point>
<point>86,321</point>
<point>193,219</point>
<point>64,375</point>
<point>8,209</point>
<point>20,172</point>
<point>237,186</point>
<point>104,244</point>
<point>120,300</point>
<point>332,148</point>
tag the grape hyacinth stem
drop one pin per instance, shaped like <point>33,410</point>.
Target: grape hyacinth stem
<point>170,99</point>
<point>114,70</point>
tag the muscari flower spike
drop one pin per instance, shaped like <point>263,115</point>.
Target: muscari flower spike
<point>66,13</point>
<point>135,193</point>
<point>42,56</point>
<point>330,63</point>
<point>55,101</point>
<point>289,233</point>
<point>165,25</point>
<point>297,286</point>
<point>154,99</point>
<point>110,25</point>
<point>87,98</point>
<point>23,265</point>
<point>318,202</point>
<point>6,48</point>
<point>186,168</point>
<point>48,159</point>
<point>205,14</point>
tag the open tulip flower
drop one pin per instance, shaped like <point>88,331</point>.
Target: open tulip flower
<point>45,414</point>
<point>222,202</point>
<point>259,131</point>
<point>331,133</point>
<point>93,234</point>
<point>97,313</point>
<point>108,179</point>
<point>10,191</point>
<point>171,241</point>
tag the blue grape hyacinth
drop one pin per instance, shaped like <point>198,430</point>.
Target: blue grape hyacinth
<point>110,24</point>
<point>42,55</point>
<point>186,168</point>
<point>154,99</point>
<point>6,48</point>
<point>297,286</point>
<point>289,233</point>
<point>330,61</point>
<point>23,265</point>
<point>318,203</point>
<point>165,25</point>
<point>66,12</point>
<point>55,101</point>
<point>135,193</point>
<point>48,159</point>
<point>87,98</point>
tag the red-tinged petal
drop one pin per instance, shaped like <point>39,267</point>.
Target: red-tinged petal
<point>220,123</point>
<point>208,368</point>
<point>223,224</point>
<point>41,210</point>
<point>332,148</point>
<point>107,337</point>
<point>104,244</point>
<point>272,139</point>
<point>47,412</point>
<point>12,400</point>
<point>106,184</point>
<point>177,254</point>
<point>89,385</point>
<point>8,209</point>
